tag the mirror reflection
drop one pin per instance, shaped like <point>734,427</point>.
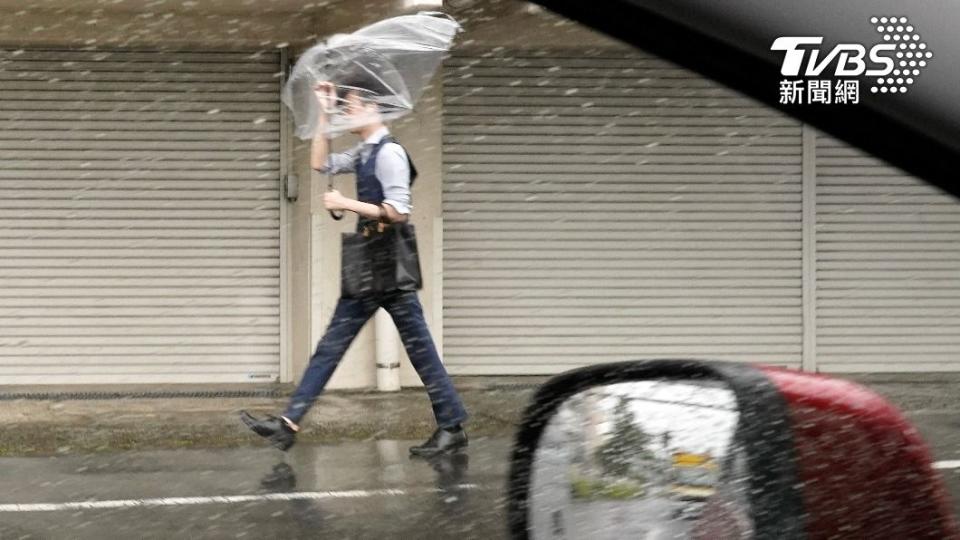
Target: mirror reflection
<point>642,459</point>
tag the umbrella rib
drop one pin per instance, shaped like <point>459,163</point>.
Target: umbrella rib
<point>386,85</point>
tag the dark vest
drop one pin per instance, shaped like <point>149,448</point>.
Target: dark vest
<point>369,188</point>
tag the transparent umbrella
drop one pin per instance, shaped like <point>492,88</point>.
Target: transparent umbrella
<point>399,55</point>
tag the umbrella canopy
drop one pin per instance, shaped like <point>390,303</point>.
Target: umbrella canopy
<point>389,63</point>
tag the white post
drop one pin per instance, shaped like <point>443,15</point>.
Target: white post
<point>387,352</point>
<point>286,166</point>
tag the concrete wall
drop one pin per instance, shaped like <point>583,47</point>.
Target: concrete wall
<point>143,28</point>
<point>508,24</point>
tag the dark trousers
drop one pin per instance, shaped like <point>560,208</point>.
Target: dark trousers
<point>349,317</point>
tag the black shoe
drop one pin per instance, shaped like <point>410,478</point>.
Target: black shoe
<point>441,442</point>
<point>271,428</point>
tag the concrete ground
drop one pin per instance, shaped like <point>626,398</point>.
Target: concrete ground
<point>40,421</point>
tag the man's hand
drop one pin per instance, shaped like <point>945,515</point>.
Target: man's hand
<point>334,200</point>
<point>326,94</point>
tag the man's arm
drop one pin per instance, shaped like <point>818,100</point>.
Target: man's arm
<point>335,201</point>
<point>336,163</point>
<point>320,158</point>
<point>326,95</point>
<point>393,170</point>
<point>320,151</point>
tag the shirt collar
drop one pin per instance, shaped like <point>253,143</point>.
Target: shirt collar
<point>377,136</point>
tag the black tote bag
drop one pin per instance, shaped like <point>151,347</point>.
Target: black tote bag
<point>376,262</point>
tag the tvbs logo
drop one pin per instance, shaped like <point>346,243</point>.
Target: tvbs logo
<point>895,61</point>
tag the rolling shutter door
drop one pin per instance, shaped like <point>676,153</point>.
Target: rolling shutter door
<point>139,217</point>
<point>888,267</point>
<point>614,207</point>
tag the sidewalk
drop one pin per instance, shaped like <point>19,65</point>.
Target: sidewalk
<point>58,420</point>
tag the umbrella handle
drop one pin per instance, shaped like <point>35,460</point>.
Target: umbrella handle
<point>337,216</point>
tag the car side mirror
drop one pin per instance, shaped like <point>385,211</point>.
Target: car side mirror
<point>715,450</point>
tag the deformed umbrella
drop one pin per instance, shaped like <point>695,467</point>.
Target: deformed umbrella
<point>400,55</point>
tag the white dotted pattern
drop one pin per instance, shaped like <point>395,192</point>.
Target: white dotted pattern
<point>910,47</point>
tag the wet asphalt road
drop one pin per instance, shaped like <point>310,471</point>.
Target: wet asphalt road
<point>941,431</point>
<point>358,490</point>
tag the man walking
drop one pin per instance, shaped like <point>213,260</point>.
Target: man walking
<point>384,174</point>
